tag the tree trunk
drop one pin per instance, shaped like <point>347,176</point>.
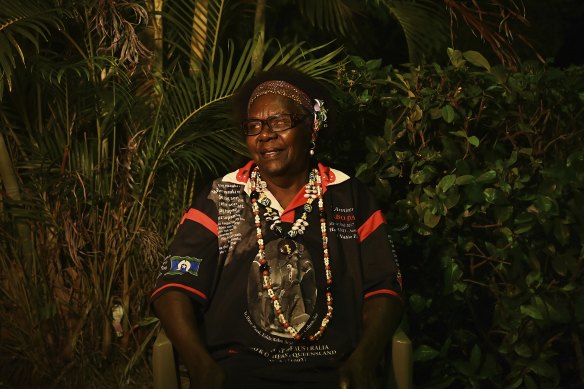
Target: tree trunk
<point>199,35</point>
<point>10,181</point>
<point>259,31</point>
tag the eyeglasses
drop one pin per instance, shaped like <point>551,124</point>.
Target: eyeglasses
<point>276,123</point>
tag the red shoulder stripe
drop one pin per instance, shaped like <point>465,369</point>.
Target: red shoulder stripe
<point>370,225</point>
<point>382,291</point>
<point>199,217</point>
<point>192,290</point>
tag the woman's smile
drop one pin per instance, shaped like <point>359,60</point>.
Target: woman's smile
<point>280,153</point>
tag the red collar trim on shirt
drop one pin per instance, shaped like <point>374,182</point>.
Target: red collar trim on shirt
<point>244,172</point>
<point>298,201</point>
<point>327,176</point>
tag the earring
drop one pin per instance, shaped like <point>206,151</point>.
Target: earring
<point>312,147</point>
<point>316,125</point>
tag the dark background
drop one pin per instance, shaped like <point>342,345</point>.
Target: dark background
<point>555,29</point>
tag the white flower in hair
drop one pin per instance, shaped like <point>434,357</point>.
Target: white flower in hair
<point>319,112</point>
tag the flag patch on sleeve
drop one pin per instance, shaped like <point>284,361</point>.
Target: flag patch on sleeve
<point>183,265</point>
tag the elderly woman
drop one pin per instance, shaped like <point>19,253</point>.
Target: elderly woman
<point>281,274</point>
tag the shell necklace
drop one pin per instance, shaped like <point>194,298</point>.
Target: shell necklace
<point>313,190</point>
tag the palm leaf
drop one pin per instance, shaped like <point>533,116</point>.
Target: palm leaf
<point>195,24</point>
<point>192,129</point>
<point>23,24</point>
<point>332,15</point>
<point>425,25</point>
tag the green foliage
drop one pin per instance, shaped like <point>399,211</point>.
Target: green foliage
<point>22,26</point>
<point>481,171</point>
<point>106,156</point>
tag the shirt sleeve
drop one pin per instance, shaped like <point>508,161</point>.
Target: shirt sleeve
<point>381,274</point>
<point>191,263</point>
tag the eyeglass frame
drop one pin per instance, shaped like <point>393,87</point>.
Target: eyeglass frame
<point>295,120</point>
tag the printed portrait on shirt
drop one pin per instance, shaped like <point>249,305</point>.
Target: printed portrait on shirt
<point>292,281</point>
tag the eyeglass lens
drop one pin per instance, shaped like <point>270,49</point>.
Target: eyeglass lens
<point>280,122</point>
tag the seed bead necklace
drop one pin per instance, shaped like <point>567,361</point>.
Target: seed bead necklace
<point>313,189</point>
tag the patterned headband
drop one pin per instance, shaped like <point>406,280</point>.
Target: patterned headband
<point>281,88</point>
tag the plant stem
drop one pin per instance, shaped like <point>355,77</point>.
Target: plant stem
<point>259,30</point>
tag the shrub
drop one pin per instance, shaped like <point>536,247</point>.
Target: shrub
<point>481,173</point>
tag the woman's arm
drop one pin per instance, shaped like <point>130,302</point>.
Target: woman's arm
<point>381,317</point>
<point>177,315</point>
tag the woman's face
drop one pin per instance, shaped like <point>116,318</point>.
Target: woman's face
<point>282,153</point>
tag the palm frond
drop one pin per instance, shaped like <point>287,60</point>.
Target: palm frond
<point>309,60</point>
<point>332,15</point>
<point>23,24</point>
<point>195,29</point>
<point>425,25</point>
<point>193,130</point>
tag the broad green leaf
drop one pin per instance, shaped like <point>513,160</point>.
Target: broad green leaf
<point>512,159</point>
<point>447,182</point>
<point>463,367</point>
<point>358,61</point>
<point>569,287</point>
<point>360,169</point>
<point>372,158</point>
<point>507,233</point>
<point>456,57</point>
<point>523,350</point>
<point>524,217</point>
<point>452,199</point>
<point>491,195</point>
<point>503,213</point>
<point>452,275</point>
<point>364,97</point>
<point>487,176</point>
<point>435,113</point>
<point>430,192</point>
<point>448,113</point>
<point>534,280</point>
<point>422,230</point>
<point>425,353</point>
<point>531,311</point>
<point>393,171</point>
<point>475,358</point>
<point>523,229</point>
<point>417,303</point>
<point>422,176</point>
<point>545,204</point>
<point>473,140</point>
<point>401,156</point>
<point>543,368</point>
<point>430,219</point>
<point>460,134</point>
<point>465,180</point>
<point>373,64</point>
<point>529,382</point>
<point>376,144</point>
<point>477,59</point>
<point>515,384</point>
<point>416,115</point>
